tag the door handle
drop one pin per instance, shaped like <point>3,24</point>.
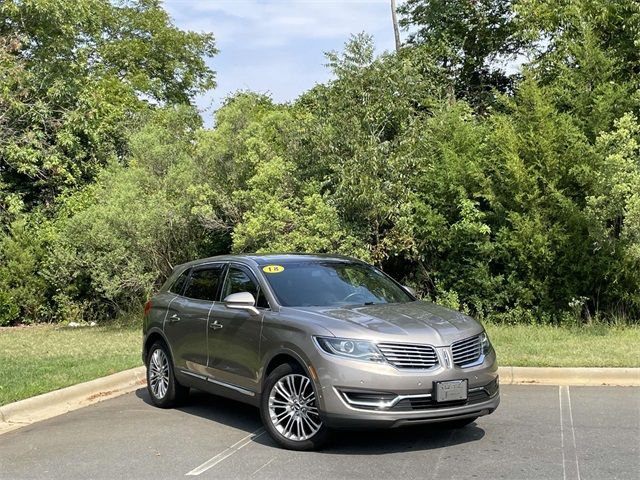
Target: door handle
<point>174,318</point>
<point>215,325</point>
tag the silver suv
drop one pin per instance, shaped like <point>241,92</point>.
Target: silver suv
<point>317,343</point>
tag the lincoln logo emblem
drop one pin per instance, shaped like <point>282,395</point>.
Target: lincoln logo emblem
<point>447,360</point>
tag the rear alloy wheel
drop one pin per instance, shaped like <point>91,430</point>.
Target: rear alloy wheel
<point>289,409</point>
<point>163,388</point>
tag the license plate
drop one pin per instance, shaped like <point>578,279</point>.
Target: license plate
<point>451,391</point>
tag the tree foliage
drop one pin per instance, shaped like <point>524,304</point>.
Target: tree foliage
<point>73,75</point>
<point>468,38</point>
<point>515,198</point>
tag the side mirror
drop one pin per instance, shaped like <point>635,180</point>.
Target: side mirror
<point>241,301</point>
<point>411,291</point>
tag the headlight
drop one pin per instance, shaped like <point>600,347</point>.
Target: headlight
<point>350,348</point>
<point>485,343</point>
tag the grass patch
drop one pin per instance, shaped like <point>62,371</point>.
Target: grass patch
<point>549,346</point>
<point>42,358</point>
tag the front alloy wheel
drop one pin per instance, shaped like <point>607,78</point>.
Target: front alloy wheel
<point>292,408</point>
<point>289,409</point>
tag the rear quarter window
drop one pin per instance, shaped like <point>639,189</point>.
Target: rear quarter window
<point>178,286</point>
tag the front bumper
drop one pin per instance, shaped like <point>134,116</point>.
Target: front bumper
<point>354,394</point>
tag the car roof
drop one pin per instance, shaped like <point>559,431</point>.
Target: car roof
<point>272,258</point>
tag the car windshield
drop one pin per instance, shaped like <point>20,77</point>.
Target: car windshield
<point>332,283</point>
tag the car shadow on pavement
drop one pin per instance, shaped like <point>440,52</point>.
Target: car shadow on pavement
<point>404,439</point>
<point>344,442</point>
<point>228,412</point>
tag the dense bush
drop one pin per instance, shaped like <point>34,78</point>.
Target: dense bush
<point>515,199</point>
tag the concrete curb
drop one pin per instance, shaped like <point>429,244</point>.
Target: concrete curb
<point>621,377</point>
<point>34,409</point>
<point>47,405</point>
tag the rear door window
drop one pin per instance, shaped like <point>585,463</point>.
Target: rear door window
<point>204,282</point>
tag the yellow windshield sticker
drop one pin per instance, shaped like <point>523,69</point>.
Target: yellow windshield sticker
<point>273,269</point>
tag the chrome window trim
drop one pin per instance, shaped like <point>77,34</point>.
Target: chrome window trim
<point>219,382</point>
<point>232,387</point>
<point>197,375</point>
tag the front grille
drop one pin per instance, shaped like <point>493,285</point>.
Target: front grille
<point>466,351</point>
<point>403,355</point>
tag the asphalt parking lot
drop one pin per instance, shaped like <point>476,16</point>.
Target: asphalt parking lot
<point>541,432</point>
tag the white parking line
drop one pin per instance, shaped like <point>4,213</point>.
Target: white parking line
<point>263,466</point>
<point>212,462</point>
<point>573,432</point>
<point>569,449</point>
<point>564,468</point>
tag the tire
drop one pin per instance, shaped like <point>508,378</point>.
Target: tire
<point>163,388</point>
<point>463,422</point>
<point>292,423</point>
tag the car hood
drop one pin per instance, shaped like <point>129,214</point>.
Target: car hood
<point>419,322</point>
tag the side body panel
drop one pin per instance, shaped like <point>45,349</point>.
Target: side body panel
<point>186,330</point>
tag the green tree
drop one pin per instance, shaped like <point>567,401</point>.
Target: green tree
<point>360,119</point>
<point>589,52</point>
<point>118,238</point>
<point>72,75</point>
<point>23,290</point>
<point>613,209</point>
<point>257,187</point>
<point>468,38</point>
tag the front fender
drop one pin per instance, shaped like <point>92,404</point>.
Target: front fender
<point>153,331</point>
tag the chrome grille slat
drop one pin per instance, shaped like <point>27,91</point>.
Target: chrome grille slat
<point>409,355</point>
<point>408,352</point>
<point>465,345</point>
<point>399,346</point>
<point>460,357</point>
<point>397,352</point>
<point>466,351</point>
<point>470,352</point>
<point>408,362</point>
<point>411,360</point>
<point>470,349</point>
<point>466,348</point>
<point>404,359</point>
